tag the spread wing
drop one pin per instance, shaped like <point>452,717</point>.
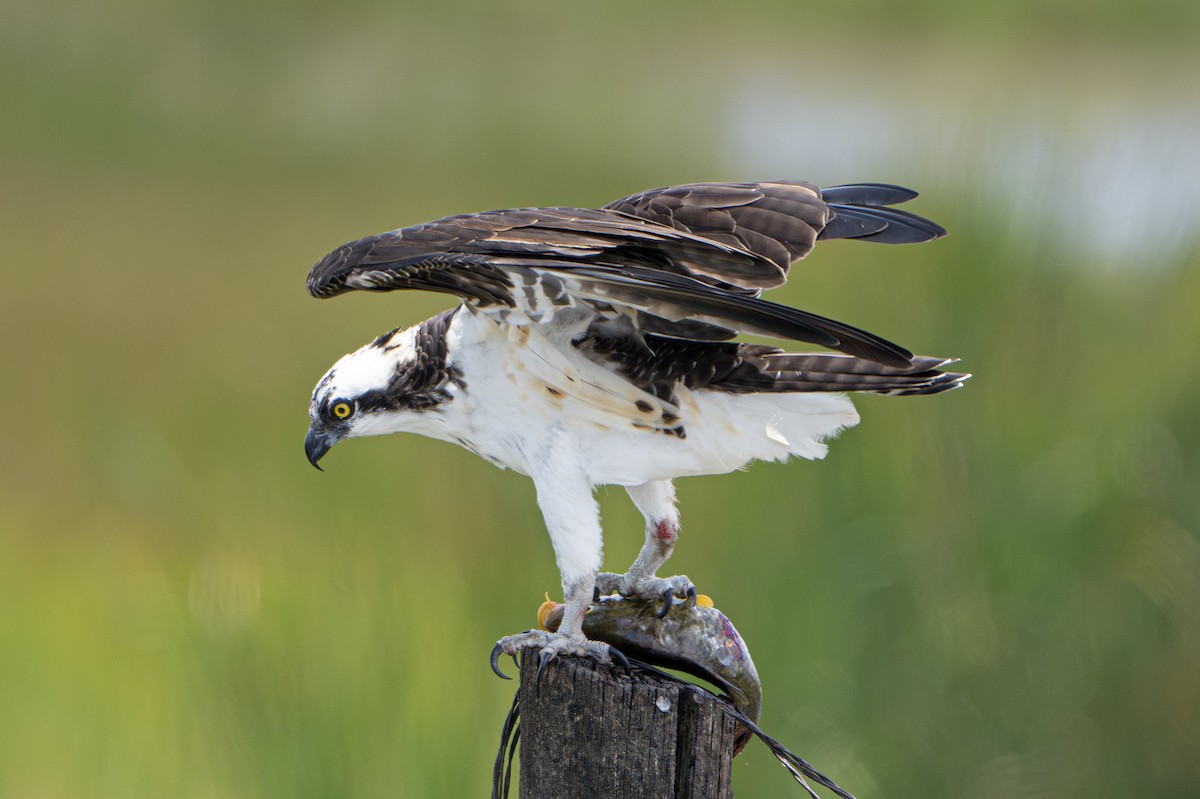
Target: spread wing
<point>685,262</point>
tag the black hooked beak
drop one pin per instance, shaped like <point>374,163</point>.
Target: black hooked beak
<point>316,445</point>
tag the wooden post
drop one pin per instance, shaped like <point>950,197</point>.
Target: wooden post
<point>589,730</point>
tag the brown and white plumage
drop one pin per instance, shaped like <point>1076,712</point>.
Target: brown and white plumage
<point>595,347</point>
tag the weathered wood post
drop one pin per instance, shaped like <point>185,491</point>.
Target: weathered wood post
<point>589,730</point>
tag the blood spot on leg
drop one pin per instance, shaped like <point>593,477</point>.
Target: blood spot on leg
<point>666,532</point>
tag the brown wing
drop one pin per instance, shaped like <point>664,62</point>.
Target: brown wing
<point>686,262</point>
<point>532,236</point>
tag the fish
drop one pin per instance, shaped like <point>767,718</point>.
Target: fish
<point>694,638</point>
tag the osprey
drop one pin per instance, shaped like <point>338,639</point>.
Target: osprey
<point>595,346</point>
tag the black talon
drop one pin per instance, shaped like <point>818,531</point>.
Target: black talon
<point>595,594</point>
<point>547,656</point>
<point>495,661</point>
<point>691,597</point>
<point>619,657</point>
<point>668,602</point>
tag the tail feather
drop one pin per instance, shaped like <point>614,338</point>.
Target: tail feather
<point>807,372</point>
<point>859,213</point>
<point>868,194</point>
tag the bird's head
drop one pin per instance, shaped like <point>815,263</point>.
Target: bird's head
<point>396,383</point>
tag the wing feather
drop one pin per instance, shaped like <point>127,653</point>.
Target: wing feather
<point>682,261</point>
<point>731,212</point>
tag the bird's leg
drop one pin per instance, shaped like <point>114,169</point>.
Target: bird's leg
<point>573,520</point>
<point>656,501</point>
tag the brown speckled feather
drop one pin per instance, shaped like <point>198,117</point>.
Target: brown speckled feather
<point>777,220</point>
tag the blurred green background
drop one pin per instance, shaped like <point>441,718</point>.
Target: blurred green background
<point>991,593</point>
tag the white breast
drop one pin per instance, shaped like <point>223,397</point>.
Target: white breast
<point>526,386</point>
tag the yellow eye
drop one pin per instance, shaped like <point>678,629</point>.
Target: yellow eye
<point>342,410</point>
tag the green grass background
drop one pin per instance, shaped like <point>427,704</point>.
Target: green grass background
<point>992,593</point>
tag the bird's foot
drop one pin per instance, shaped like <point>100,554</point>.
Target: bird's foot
<point>551,645</point>
<point>669,589</point>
